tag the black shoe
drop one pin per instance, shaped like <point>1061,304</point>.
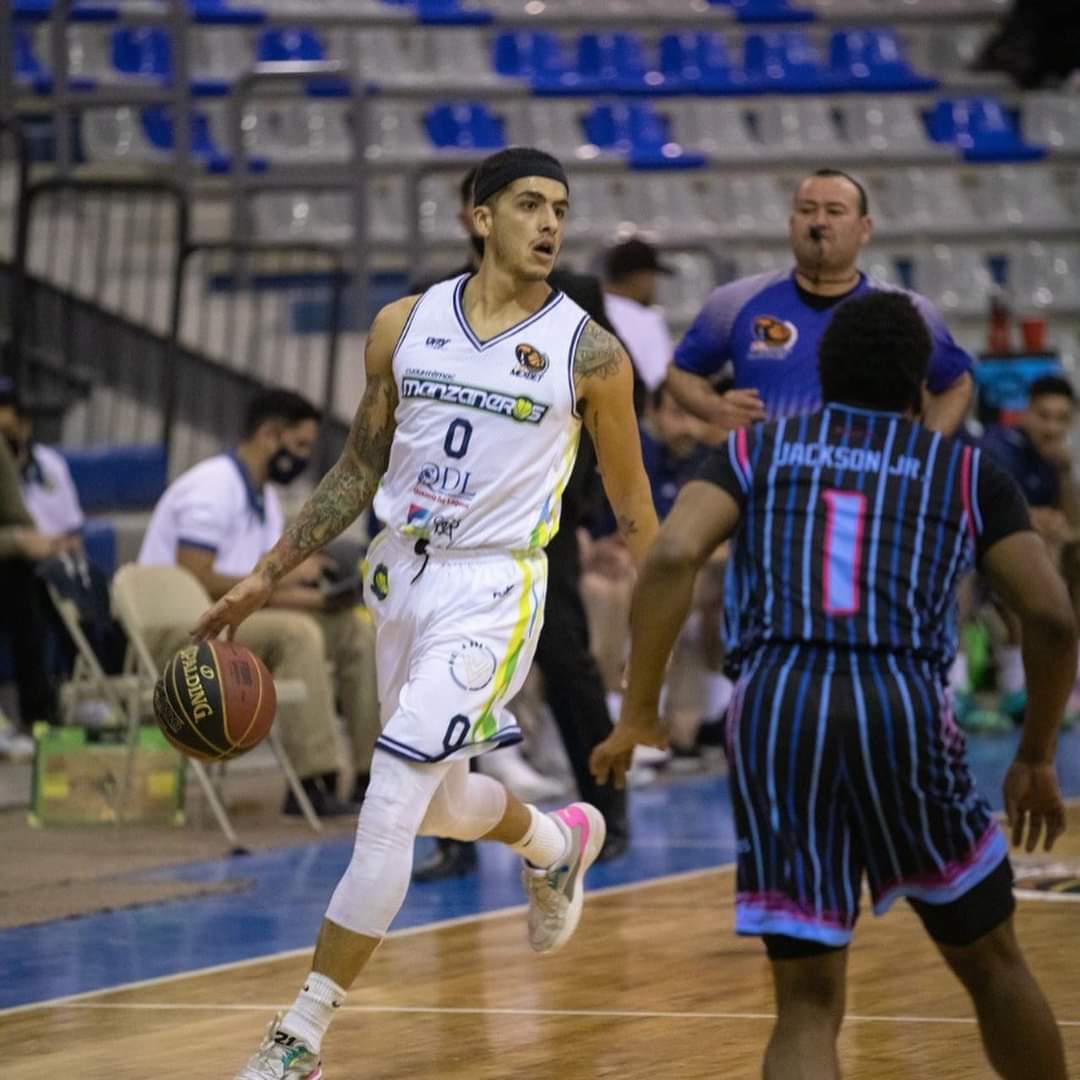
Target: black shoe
<point>323,802</point>
<point>614,846</point>
<point>451,859</point>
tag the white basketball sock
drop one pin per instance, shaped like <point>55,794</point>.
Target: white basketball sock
<point>543,844</point>
<point>313,1010</point>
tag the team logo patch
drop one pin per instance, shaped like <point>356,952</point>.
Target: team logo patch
<point>423,521</point>
<point>1058,882</point>
<point>773,337</point>
<point>531,363</point>
<point>380,582</point>
<point>473,666</point>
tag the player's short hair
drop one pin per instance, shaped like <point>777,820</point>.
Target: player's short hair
<point>864,199</point>
<point>875,353</point>
<point>502,168</point>
<point>1052,386</point>
<point>276,404</point>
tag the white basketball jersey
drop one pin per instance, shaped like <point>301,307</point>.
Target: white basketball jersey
<point>487,432</point>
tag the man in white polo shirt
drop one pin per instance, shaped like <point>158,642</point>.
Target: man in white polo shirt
<point>630,273</point>
<point>217,520</point>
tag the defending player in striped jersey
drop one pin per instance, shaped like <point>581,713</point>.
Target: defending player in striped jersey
<point>852,526</point>
<point>466,435</point>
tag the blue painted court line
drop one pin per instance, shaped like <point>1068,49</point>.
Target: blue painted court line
<point>681,826</point>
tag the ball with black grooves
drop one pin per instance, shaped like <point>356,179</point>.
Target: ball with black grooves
<point>215,700</point>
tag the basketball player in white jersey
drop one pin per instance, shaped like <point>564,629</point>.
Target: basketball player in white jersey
<point>465,437</point>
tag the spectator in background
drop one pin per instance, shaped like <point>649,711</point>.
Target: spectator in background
<point>1037,44</point>
<point>672,450</point>
<point>25,613</point>
<point>1037,454</point>
<point>217,520</point>
<point>48,492</point>
<point>630,273</point>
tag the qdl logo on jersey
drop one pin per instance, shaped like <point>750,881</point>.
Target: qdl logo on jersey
<point>773,338</point>
<point>531,363</point>
<point>446,484</point>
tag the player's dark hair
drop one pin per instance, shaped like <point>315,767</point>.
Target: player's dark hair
<point>284,405</point>
<point>1051,385</point>
<point>864,200</point>
<point>875,353</point>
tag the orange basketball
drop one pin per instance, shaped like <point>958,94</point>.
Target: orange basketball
<point>215,700</point>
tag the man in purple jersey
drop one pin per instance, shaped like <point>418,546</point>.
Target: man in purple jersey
<point>767,327</point>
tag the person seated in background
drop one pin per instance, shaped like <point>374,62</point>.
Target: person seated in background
<point>630,284</point>
<point>1037,454</point>
<point>217,520</point>
<point>26,612</point>
<point>672,452</point>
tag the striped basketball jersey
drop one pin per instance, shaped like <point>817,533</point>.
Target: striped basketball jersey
<point>855,528</point>
<point>487,431</point>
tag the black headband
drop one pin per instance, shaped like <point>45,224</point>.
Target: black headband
<point>525,162</point>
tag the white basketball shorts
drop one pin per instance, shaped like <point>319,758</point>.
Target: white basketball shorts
<point>455,638</point>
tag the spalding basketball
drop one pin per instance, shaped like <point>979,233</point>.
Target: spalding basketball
<point>215,700</point>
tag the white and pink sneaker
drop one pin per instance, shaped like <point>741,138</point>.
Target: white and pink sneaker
<point>556,894</point>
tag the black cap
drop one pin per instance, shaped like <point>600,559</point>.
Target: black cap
<point>631,256</point>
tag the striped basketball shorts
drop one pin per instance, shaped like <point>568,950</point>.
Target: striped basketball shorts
<point>455,635</point>
<point>844,765</point>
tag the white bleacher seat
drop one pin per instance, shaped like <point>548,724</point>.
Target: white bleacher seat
<point>300,216</point>
<point>683,293</point>
<point>440,201</point>
<point>762,260</point>
<point>463,56</point>
<point>880,261</point>
<point>1011,195</point>
<point>955,277</point>
<point>1045,276</point>
<point>714,127</point>
<point>220,52</point>
<point>884,125</point>
<point>759,204</point>
<point>1052,120</point>
<point>396,129</point>
<point>801,127</point>
<point>387,208</point>
<point>554,126</point>
<point>389,56</point>
<point>310,131</point>
<point>918,200</point>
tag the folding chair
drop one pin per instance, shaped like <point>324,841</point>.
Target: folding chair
<point>149,599</point>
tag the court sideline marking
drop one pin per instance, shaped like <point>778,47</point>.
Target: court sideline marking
<point>600,1014</point>
<point>408,931</point>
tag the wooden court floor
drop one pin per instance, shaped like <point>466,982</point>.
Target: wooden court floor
<point>655,986</point>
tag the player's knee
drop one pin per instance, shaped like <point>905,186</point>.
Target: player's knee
<point>809,978</point>
<point>985,962</point>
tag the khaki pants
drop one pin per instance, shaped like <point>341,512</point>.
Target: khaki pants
<point>291,645</point>
<point>350,646</point>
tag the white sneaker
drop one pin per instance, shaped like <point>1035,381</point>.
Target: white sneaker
<point>16,747</point>
<point>281,1057</point>
<point>556,895</point>
<point>510,768</point>
<point>651,756</point>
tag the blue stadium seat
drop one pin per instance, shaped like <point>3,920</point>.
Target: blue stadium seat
<point>981,129</point>
<point>118,477</point>
<point>290,43</point>
<point>640,133</point>
<point>444,12</point>
<point>464,126</point>
<point>159,130</point>
<point>527,55</point>
<point>29,71</point>
<point>613,63</point>
<point>765,11</point>
<point>142,52</point>
<point>699,64</point>
<point>783,61</point>
<point>872,60</point>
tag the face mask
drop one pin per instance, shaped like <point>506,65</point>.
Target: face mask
<point>285,466</point>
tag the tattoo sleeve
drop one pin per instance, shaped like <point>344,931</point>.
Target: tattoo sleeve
<point>599,354</point>
<point>347,489</point>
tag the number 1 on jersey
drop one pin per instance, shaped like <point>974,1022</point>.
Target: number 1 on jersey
<point>845,517</point>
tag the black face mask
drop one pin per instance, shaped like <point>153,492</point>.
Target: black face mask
<point>285,466</point>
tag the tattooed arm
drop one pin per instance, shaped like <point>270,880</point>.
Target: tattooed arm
<point>604,382</point>
<point>344,492</point>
